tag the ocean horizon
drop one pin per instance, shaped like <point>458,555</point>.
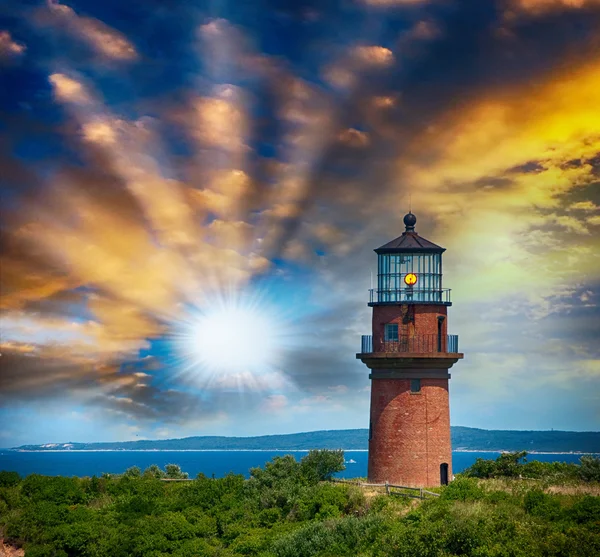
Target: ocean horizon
<point>219,463</point>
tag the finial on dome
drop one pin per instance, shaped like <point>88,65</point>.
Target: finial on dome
<point>409,221</point>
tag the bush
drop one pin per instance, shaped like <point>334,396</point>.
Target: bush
<point>278,471</point>
<point>283,511</point>
<point>586,510</point>
<point>462,489</point>
<point>482,468</point>
<point>321,465</point>
<point>153,471</point>
<point>133,472</point>
<point>538,503</point>
<point>338,537</point>
<point>173,471</point>
<point>512,465</point>
<point>9,479</point>
<point>57,489</point>
<point>589,470</point>
<point>321,501</point>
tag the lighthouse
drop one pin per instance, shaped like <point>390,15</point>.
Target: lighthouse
<point>409,355</point>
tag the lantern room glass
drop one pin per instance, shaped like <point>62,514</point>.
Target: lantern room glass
<point>393,268</point>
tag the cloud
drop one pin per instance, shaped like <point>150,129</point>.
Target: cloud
<point>221,167</point>
<point>354,138</point>
<point>495,138</point>
<point>104,40</point>
<point>275,403</point>
<point>373,55</point>
<point>9,48</point>
<point>391,3</point>
<point>317,399</point>
<point>67,89</point>
<point>543,6</point>
<point>586,205</point>
<point>221,121</point>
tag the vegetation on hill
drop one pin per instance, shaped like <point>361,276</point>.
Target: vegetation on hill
<point>288,509</point>
<point>515,465</point>
<point>463,438</point>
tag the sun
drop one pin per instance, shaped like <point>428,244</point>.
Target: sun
<point>234,339</point>
<point>236,335</point>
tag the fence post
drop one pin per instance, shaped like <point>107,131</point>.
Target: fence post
<point>387,488</point>
<point>421,493</point>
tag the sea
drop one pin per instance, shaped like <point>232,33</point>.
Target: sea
<point>210,463</point>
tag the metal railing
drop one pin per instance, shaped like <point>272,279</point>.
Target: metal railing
<point>366,344</point>
<point>399,295</point>
<point>420,344</point>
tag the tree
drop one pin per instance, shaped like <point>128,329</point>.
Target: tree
<point>590,468</point>
<point>321,465</point>
<point>8,479</point>
<point>279,469</point>
<point>153,471</point>
<point>174,472</point>
<point>133,472</point>
<point>509,464</point>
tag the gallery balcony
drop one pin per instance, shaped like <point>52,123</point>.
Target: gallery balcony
<point>390,296</point>
<point>420,344</point>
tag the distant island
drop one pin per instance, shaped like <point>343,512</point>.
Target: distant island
<point>463,439</point>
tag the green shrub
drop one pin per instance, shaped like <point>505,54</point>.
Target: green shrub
<point>153,471</point>
<point>538,503</point>
<point>9,479</point>
<point>589,468</point>
<point>321,500</point>
<point>321,465</point>
<point>586,510</point>
<point>332,538</point>
<point>284,511</point>
<point>268,517</point>
<point>280,470</point>
<point>481,468</point>
<point>133,472</point>
<point>44,550</point>
<point>462,489</point>
<point>57,489</point>
<point>173,471</point>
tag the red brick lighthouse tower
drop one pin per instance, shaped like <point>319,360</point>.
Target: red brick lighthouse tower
<point>409,355</point>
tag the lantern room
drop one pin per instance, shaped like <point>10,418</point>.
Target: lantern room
<point>409,270</point>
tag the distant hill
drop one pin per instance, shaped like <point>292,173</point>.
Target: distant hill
<point>463,438</point>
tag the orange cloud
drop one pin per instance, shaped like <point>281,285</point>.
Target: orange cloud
<point>390,3</point>
<point>106,41</point>
<point>220,121</point>
<point>354,137</point>
<point>541,6</point>
<point>67,89</point>
<point>22,281</point>
<point>497,186</point>
<point>373,55</point>
<point>8,47</point>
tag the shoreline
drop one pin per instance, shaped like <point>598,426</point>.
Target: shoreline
<point>495,451</point>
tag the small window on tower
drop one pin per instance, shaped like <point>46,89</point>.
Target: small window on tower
<point>415,385</point>
<point>391,332</point>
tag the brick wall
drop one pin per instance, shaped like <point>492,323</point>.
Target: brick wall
<point>412,319</point>
<point>410,433</point>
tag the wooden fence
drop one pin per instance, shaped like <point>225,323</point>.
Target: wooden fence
<point>391,489</point>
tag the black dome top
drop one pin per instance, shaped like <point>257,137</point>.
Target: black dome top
<point>409,221</point>
<point>410,241</point>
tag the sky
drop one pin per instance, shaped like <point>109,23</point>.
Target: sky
<point>191,193</point>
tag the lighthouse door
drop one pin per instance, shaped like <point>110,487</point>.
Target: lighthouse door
<point>444,473</point>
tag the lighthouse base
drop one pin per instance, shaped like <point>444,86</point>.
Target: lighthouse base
<point>409,433</point>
